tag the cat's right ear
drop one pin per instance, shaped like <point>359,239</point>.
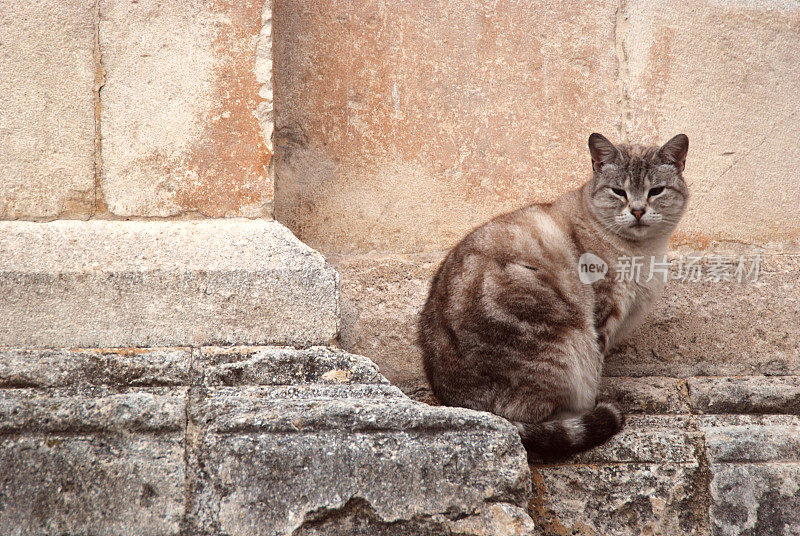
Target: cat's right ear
<point>603,151</point>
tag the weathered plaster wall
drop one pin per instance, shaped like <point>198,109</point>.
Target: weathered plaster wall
<point>400,126</point>
<point>125,108</point>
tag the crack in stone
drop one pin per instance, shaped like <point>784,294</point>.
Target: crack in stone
<point>623,71</point>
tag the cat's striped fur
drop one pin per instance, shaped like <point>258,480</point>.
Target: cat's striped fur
<point>508,326</point>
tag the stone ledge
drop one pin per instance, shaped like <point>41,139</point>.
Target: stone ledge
<point>753,394</point>
<point>253,441</point>
<point>191,283</point>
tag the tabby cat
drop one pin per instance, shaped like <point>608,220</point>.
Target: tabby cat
<point>508,326</point>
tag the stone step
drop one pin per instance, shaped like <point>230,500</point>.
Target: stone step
<point>244,441</point>
<point>134,283</point>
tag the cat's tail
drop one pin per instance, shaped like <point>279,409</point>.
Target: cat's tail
<point>551,440</point>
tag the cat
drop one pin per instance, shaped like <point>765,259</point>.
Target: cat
<point>508,326</point>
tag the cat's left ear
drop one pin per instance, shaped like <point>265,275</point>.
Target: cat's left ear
<point>674,151</point>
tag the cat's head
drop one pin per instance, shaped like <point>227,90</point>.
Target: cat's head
<point>638,192</point>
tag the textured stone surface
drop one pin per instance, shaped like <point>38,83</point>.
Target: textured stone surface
<point>646,395</point>
<point>186,89</point>
<point>249,365</point>
<point>709,69</point>
<point>116,367</point>
<point>649,479</point>
<point>300,454</point>
<point>31,410</point>
<point>411,123</point>
<point>382,296</point>
<point>317,442</point>
<point>752,439</point>
<point>156,283</point>
<point>627,499</point>
<point>109,484</point>
<point>755,500</point>
<point>91,463</point>
<point>244,440</point>
<point>719,329</point>
<point>47,127</point>
<point>758,394</point>
<point>755,467</point>
<point>695,328</point>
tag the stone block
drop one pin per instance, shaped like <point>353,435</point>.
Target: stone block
<point>46,368</point>
<point>646,395</point>
<point>411,123</point>
<point>755,469</point>
<point>628,499</point>
<point>382,296</point>
<point>186,85</point>
<point>276,464</point>
<point>752,439</point>
<point>122,284</point>
<point>47,121</point>
<point>64,411</point>
<point>756,394</point>
<point>346,454</point>
<point>755,500</point>
<point>707,69</point>
<point>285,366</point>
<point>719,329</point>
<point>107,484</point>
<point>107,463</point>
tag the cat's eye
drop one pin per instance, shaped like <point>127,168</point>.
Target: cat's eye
<point>620,192</point>
<point>655,191</point>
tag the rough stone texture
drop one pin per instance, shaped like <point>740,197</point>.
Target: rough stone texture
<point>726,74</point>
<point>755,463</point>
<point>758,394</point>
<point>47,109</point>
<point>250,365</point>
<point>115,367</point>
<point>695,329</point>
<point>104,484</point>
<point>413,122</point>
<point>244,440</point>
<point>618,499</point>
<point>185,97</point>
<point>646,395</point>
<point>650,479</point>
<point>720,329</point>
<point>755,500</point>
<point>303,453</point>
<point>32,410</point>
<point>382,296</point>
<point>101,463</point>
<point>116,284</point>
<point>316,441</point>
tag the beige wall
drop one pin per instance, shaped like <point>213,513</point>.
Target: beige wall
<point>145,109</point>
<point>401,125</point>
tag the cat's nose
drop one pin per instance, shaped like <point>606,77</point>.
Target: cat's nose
<point>637,213</point>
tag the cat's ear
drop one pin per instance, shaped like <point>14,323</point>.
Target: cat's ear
<point>603,151</point>
<point>674,151</point>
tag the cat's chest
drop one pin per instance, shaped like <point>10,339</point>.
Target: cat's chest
<point>621,304</point>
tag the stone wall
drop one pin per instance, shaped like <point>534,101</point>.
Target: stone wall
<point>397,128</point>
<point>400,126</point>
<point>135,109</point>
